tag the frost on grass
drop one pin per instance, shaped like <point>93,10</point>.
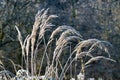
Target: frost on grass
<point>63,37</point>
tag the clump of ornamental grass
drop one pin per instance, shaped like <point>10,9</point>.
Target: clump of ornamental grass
<point>32,41</point>
<point>68,34</point>
<point>88,48</point>
<point>63,36</point>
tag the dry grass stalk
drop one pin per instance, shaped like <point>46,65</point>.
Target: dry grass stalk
<point>103,45</point>
<point>98,58</point>
<point>82,54</point>
<point>21,43</point>
<point>65,42</point>
<point>67,33</point>
<point>59,29</point>
<point>63,39</point>
<point>91,44</point>
<point>84,43</point>
<point>41,24</point>
<point>67,36</point>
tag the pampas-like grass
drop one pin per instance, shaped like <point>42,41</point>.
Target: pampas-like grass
<point>80,53</point>
<point>92,44</point>
<point>30,44</point>
<point>63,43</point>
<point>67,35</point>
<point>59,29</point>
<point>84,43</point>
<point>103,45</point>
<point>41,23</point>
